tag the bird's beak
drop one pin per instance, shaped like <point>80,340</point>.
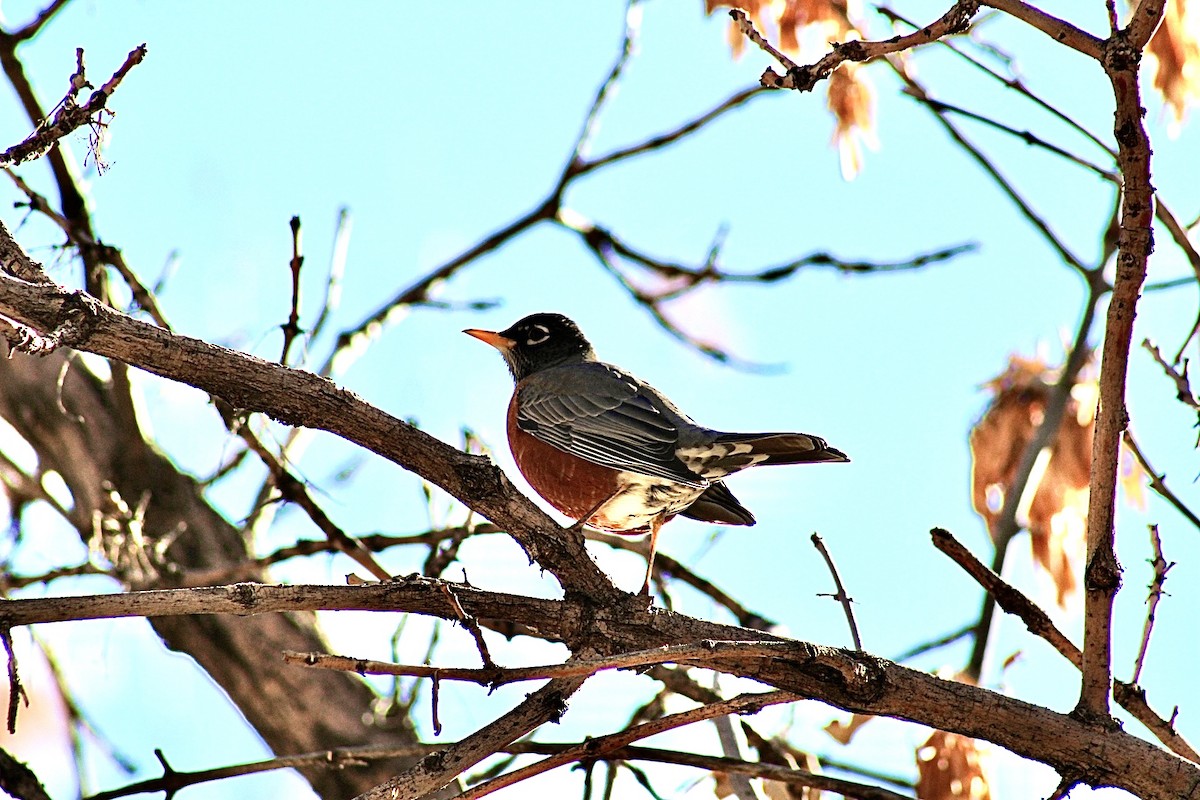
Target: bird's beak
<point>501,343</point>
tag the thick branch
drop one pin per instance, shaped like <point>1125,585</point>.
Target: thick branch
<point>300,398</point>
<point>856,682</point>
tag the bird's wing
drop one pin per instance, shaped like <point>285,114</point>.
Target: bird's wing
<point>605,416</point>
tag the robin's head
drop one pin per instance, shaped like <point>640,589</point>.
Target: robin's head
<point>537,342</point>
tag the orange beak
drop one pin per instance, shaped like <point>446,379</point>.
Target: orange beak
<point>501,343</point>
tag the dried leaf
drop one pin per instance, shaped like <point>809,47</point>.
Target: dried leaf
<point>851,98</point>
<point>789,24</point>
<point>1175,49</point>
<point>844,731</point>
<point>1057,514</point>
<point>950,767</point>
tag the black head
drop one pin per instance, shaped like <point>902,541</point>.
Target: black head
<point>537,342</point>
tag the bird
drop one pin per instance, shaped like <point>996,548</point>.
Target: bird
<point>610,451</point>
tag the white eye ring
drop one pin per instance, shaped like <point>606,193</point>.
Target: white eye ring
<point>535,339</point>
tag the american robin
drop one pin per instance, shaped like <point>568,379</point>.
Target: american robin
<point>609,450</point>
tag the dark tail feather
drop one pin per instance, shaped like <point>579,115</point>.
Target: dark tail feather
<point>718,504</point>
<point>779,448</point>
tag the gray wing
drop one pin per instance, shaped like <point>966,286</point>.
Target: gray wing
<point>605,416</point>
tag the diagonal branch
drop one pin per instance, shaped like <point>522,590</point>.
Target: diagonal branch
<point>436,770</point>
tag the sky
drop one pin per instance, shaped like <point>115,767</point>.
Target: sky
<point>435,128</point>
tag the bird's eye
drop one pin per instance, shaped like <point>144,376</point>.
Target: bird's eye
<point>537,335</point>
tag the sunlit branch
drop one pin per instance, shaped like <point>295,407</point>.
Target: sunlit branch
<point>1161,566</point>
<point>1102,573</point>
<point>805,78</point>
<point>742,704</point>
<point>1012,83</point>
<point>70,114</point>
<point>351,757</point>
<point>1014,602</point>
<point>841,596</point>
<point>491,676</point>
<point>1158,482</point>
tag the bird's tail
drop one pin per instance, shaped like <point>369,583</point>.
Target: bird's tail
<point>717,504</point>
<point>750,449</point>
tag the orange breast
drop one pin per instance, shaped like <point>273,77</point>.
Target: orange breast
<point>570,484</point>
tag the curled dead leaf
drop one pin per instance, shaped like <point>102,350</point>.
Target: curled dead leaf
<point>1175,49</point>
<point>843,732</point>
<point>791,24</point>
<point>951,767</point>
<point>1057,494</point>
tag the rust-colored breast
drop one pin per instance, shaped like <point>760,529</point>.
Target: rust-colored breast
<point>569,483</point>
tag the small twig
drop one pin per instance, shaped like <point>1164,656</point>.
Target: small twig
<point>742,704</point>
<point>1009,82</point>
<point>81,236</point>
<point>291,328</point>
<point>306,547</point>
<point>748,30</point>
<point>664,564</point>
<point>841,596</point>
<point>689,654</point>
<point>292,489</point>
<point>918,93</point>
<point>436,770</point>
<point>607,86</point>
<point>1010,599</point>
<point>472,625</point>
<point>1158,482</point>
<point>433,703</point>
<point>1063,789</point>
<point>1183,388</point>
<point>1161,567</point>
<point>31,29</point>
<point>70,116</point>
<point>936,644</point>
<point>16,692</point>
<point>337,269</point>
<point>661,140</point>
<point>344,757</point>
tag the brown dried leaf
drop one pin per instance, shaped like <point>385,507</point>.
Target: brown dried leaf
<point>950,767</point>
<point>850,95</point>
<point>851,98</point>
<point>1176,54</point>
<point>1057,515</point>
<point>844,731</point>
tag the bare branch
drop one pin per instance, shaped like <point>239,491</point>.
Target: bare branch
<point>1131,698</point>
<point>1057,29</point>
<point>805,78</point>
<point>1158,482</point>
<point>840,595</point>
<point>70,116</point>
<point>1183,389</point>
<point>1010,599</point>
<point>431,773</point>
<point>1102,575</point>
<point>34,26</point>
<point>349,757</point>
<point>1161,567</point>
<point>742,704</point>
<point>492,676</point>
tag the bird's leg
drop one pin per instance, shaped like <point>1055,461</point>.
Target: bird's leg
<point>579,523</point>
<point>655,525</point>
